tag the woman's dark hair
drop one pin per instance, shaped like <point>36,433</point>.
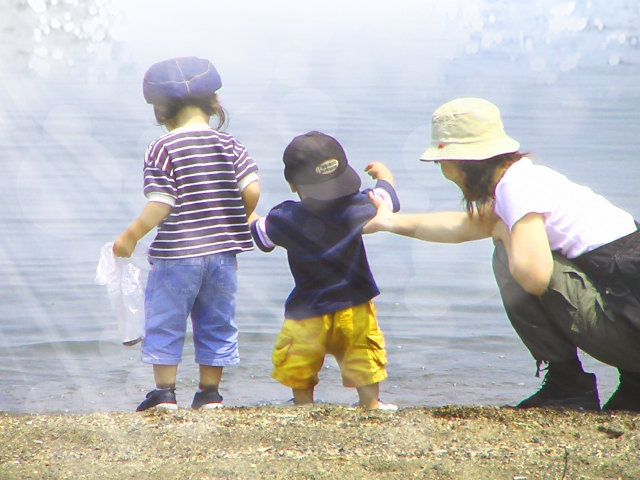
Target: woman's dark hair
<point>209,105</point>
<point>478,189</point>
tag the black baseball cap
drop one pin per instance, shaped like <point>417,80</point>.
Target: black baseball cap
<point>317,165</point>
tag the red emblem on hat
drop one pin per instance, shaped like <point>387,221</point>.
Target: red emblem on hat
<point>441,145</point>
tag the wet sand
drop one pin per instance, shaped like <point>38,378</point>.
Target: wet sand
<point>323,442</point>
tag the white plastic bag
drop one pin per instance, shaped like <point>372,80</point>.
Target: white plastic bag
<point>125,279</point>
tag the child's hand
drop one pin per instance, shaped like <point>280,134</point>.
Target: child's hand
<point>375,168</point>
<point>379,171</point>
<point>153,214</point>
<point>124,245</point>
<point>253,217</point>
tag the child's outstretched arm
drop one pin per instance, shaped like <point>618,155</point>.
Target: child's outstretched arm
<point>258,227</point>
<point>379,171</point>
<point>253,217</point>
<point>386,191</point>
<point>152,215</point>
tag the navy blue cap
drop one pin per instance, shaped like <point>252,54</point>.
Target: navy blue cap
<point>179,79</point>
<point>317,165</point>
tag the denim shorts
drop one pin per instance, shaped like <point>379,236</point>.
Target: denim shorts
<point>203,287</point>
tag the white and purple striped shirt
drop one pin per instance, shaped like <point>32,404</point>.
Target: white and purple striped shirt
<point>201,173</point>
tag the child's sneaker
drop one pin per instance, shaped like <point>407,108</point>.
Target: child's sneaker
<point>387,406</point>
<point>207,399</point>
<point>159,399</point>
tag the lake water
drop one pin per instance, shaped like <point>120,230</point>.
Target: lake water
<point>74,127</point>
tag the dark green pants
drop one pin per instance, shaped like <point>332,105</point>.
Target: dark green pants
<point>569,315</point>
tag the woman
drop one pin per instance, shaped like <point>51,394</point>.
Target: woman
<point>567,261</point>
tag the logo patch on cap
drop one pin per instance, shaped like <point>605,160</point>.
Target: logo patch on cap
<point>328,167</point>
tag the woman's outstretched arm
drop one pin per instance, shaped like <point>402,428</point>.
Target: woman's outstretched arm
<point>441,227</point>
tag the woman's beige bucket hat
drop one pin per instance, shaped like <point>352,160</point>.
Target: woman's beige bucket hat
<point>468,128</point>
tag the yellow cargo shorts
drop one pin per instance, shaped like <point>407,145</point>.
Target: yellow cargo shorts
<point>351,335</point>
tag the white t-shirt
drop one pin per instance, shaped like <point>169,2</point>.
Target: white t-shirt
<point>576,219</point>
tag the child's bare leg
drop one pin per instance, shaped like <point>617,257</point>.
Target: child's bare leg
<point>165,376</point>
<point>302,396</point>
<point>209,377</point>
<point>369,395</point>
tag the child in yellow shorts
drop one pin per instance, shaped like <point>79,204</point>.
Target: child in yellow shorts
<point>330,309</point>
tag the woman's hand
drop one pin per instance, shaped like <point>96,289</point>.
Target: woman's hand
<point>384,216</point>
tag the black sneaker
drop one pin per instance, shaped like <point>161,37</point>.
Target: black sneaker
<point>159,399</point>
<point>579,392</point>
<point>627,395</point>
<point>207,399</point>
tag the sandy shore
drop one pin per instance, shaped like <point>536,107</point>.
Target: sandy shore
<point>322,442</point>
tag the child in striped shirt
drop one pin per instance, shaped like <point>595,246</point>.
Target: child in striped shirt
<point>201,186</point>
